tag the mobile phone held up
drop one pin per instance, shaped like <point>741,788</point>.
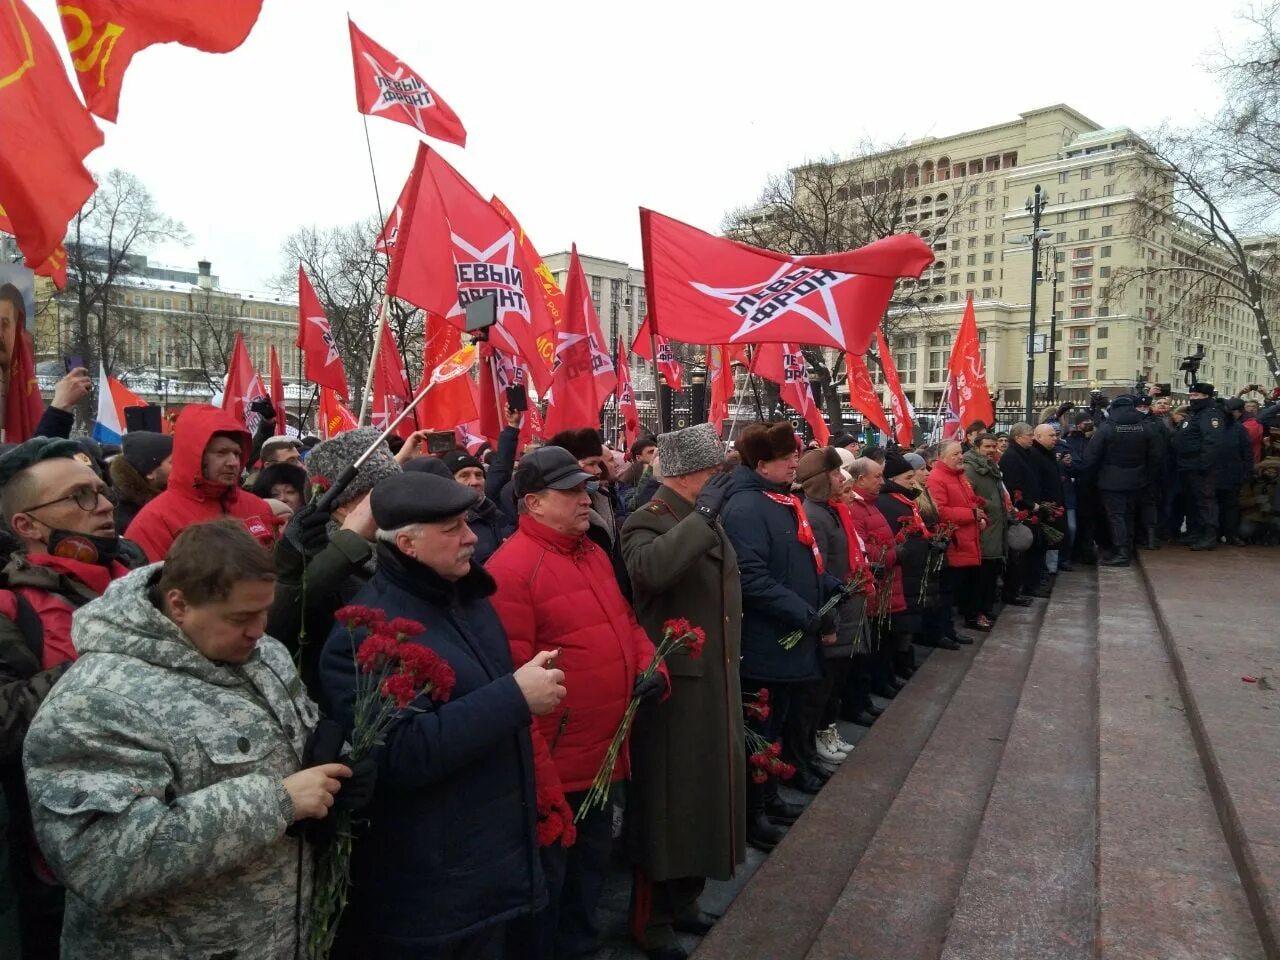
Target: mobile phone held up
<point>518,398</point>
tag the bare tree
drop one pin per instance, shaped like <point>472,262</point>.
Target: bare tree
<point>208,337</point>
<point>831,205</point>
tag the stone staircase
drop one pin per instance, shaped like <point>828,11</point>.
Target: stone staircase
<point>1057,791</point>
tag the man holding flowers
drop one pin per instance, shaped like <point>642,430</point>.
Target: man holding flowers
<point>449,857</point>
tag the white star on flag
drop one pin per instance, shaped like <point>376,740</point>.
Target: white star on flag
<point>325,333</point>
<point>393,80</point>
<point>828,322</point>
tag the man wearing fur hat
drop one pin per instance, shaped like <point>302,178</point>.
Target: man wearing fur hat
<point>783,584</point>
<point>140,473</point>
<point>685,819</point>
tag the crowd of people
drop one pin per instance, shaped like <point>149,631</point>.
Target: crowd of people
<point>178,685</point>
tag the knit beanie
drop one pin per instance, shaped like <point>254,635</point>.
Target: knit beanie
<point>458,460</point>
<point>144,450</point>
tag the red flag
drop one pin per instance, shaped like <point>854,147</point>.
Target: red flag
<point>720,375</point>
<point>547,310</point>
<point>784,364</point>
<point>578,386</point>
<point>103,36</point>
<point>627,398</point>
<point>897,399</point>
<point>668,365</point>
<point>715,290</point>
<point>244,385</point>
<point>447,365</point>
<point>386,241</point>
<point>966,374</point>
<point>452,248</point>
<point>499,372</point>
<point>386,85</point>
<point>277,388</point>
<point>23,405</point>
<point>47,135</point>
<point>334,417</point>
<point>55,268</point>
<point>862,394</point>
<point>390,387</point>
<point>321,362</point>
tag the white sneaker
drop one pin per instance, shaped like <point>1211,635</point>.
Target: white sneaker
<point>827,748</point>
<point>840,743</point>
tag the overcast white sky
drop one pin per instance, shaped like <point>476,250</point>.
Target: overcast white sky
<point>578,113</point>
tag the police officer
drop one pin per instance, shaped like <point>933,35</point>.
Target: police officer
<point>1122,453</point>
<point>1154,516</point>
<point>1196,447</point>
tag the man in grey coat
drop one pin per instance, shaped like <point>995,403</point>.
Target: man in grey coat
<point>167,764</point>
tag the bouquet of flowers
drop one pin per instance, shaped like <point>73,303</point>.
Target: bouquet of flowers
<point>860,578</point>
<point>677,634</point>
<point>765,759</point>
<point>390,675</point>
<point>877,552</point>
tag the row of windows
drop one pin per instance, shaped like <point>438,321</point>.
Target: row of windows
<point>250,311</point>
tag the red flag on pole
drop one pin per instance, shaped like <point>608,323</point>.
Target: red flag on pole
<point>498,373</point>
<point>447,365</point>
<point>103,36</point>
<point>967,377</point>
<point>277,388</point>
<point>321,362</point>
<point>23,405</point>
<point>55,268</point>
<point>386,241</point>
<point>547,310</point>
<point>897,399</point>
<point>578,388</point>
<point>668,365</point>
<point>720,375</point>
<point>387,86</point>
<point>627,398</point>
<point>784,364</point>
<point>334,417</point>
<point>453,248</point>
<point>390,387</point>
<point>862,394</point>
<point>720,291</point>
<point>47,135</point>
<point>244,385</point>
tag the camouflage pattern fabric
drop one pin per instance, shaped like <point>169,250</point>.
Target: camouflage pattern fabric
<point>155,781</point>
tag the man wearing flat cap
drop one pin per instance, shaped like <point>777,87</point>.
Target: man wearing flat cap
<point>453,822</point>
<point>685,816</point>
<point>557,593</point>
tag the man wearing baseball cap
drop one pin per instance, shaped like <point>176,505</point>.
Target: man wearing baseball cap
<point>557,592</point>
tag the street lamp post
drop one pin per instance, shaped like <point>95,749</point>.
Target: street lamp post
<point>1051,258</point>
<point>1035,206</point>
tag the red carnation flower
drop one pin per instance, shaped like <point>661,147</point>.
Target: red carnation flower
<point>694,647</point>
<point>677,626</point>
<point>376,651</point>
<point>759,776</point>
<point>354,616</point>
<point>402,688</point>
<point>402,627</point>
<point>775,749</point>
<point>428,668</point>
<point>759,760</point>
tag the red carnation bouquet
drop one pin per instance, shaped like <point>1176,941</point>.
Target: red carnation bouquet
<point>677,634</point>
<point>764,759</point>
<point>391,673</point>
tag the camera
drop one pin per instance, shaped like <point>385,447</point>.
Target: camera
<point>1190,366</point>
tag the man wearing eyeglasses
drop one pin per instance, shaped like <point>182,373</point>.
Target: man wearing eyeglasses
<point>59,510</point>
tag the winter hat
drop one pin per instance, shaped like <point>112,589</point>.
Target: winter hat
<point>1124,400</point>
<point>288,473</point>
<point>405,498</point>
<point>329,459</point>
<point>895,464</point>
<point>815,463</point>
<point>914,460</point>
<point>271,444</point>
<point>1232,404</point>
<point>582,443</point>
<point>766,441</point>
<point>432,465</point>
<point>846,457</point>
<point>1205,388</point>
<point>33,451</point>
<point>458,460</point>
<point>144,450</point>
<point>843,439</point>
<point>689,450</point>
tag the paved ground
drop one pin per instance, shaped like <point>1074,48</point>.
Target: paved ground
<point>1098,780</point>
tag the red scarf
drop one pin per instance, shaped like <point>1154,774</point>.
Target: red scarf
<point>804,532</point>
<point>917,519</point>
<point>857,552</point>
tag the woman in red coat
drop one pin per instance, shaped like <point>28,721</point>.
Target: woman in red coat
<point>960,506</point>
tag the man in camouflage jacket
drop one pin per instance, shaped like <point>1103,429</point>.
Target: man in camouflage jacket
<point>166,765</point>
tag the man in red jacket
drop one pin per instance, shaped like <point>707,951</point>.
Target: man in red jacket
<point>210,450</point>
<point>556,591</point>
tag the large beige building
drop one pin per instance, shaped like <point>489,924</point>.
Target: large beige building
<point>617,291</point>
<point>965,194</point>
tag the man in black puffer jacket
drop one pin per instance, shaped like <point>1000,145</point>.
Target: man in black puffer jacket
<point>1122,455</point>
<point>1235,466</point>
<point>1196,446</point>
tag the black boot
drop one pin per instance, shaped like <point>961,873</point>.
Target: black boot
<point>1209,542</point>
<point>762,833</point>
<point>1119,558</point>
<point>1152,541</point>
<point>780,812</point>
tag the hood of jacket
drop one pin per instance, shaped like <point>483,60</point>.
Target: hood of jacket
<point>981,465</point>
<point>910,493</point>
<point>126,622</point>
<point>191,434</point>
<point>1124,416</point>
<point>129,483</point>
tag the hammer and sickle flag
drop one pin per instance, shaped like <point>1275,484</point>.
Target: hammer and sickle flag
<point>103,36</point>
<point>46,136</point>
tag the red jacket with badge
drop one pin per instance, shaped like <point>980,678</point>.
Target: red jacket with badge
<point>190,498</point>
<point>557,592</point>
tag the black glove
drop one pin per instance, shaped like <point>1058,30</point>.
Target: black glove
<point>264,408</point>
<point>711,499</point>
<point>357,789</point>
<point>649,688</point>
<point>313,528</point>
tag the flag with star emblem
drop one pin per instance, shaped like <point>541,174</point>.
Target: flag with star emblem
<point>390,388</point>
<point>391,229</point>
<point>47,135</point>
<point>545,311</point>
<point>104,35</point>
<point>627,397</point>
<point>321,363</point>
<point>387,87</point>
<point>898,403</point>
<point>968,380</point>
<point>708,289</point>
<point>244,384</point>
<point>453,248</point>
<point>583,376</point>
<point>785,365</point>
<point>668,365</point>
<point>499,372</point>
<point>862,393</point>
